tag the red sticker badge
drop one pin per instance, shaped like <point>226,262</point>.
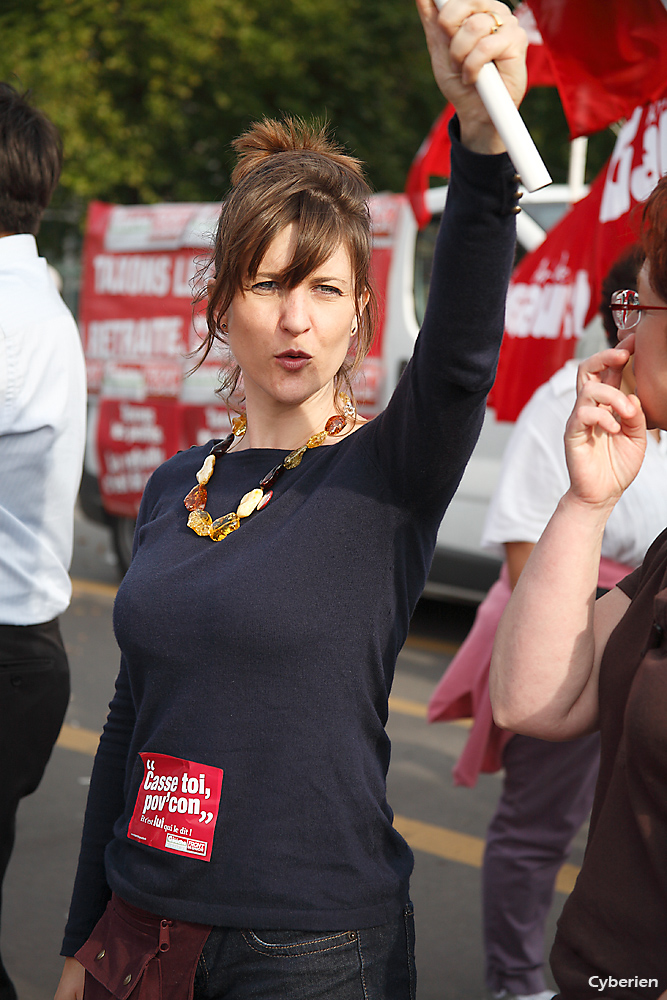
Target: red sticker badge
<point>177,806</point>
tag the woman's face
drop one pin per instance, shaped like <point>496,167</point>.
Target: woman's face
<point>650,356</point>
<point>291,342</point>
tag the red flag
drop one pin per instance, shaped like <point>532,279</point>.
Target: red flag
<point>608,56</point>
<point>555,290</point>
<point>538,60</point>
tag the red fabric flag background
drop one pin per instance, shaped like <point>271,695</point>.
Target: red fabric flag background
<point>538,59</point>
<point>555,290</point>
<point>607,55</point>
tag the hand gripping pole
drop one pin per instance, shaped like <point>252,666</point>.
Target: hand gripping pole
<point>510,126</point>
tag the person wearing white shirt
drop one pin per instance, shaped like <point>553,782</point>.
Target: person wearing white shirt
<point>42,432</point>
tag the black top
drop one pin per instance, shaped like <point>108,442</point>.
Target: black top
<point>271,653</point>
<point>612,932</point>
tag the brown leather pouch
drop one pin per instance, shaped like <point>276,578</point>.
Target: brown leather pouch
<point>133,953</point>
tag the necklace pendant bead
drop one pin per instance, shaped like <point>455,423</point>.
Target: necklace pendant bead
<point>239,425</point>
<point>335,424</point>
<point>206,470</point>
<point>349,408</point>
<point>294,457</point>
<point>249,503</point>
<point>265,499</point>
<point>196,498</point>
<point>220,447</point>
<point>316,440</point>
<point>200,521</point>
<point>270,477</point>
<point>222,527</point>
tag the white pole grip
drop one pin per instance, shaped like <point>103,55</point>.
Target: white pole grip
<point>510,126</point>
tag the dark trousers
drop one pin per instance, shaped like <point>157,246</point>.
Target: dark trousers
<point>34,691</point>
<point>547,794</point>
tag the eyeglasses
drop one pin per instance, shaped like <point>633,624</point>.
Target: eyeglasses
<point>626,309</point>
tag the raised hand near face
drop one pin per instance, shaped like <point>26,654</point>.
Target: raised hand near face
<point>605,437</point>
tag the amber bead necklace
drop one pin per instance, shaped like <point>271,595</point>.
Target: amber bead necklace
<point>199,518</point>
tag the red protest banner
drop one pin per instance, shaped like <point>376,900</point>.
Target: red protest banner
<point>555,290</point>
<point>133,439</point>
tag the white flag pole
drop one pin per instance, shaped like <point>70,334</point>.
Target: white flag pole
<point>510,126</point>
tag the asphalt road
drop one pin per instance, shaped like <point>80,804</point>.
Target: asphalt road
<point>444,825</point>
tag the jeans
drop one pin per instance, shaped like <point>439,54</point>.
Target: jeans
<point>373,963</point>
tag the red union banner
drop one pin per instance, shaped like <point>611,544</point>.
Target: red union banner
<point>555,290</point>
<point>138,328</point>
<point>136,292</point>
<point>133,439</point>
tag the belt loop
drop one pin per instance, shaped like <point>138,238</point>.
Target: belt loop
<point>163,941</point>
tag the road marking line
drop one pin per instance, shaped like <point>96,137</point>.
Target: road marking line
<point>82,740</point>
<point>407,707</point>
<point>437,840</point>
<point>83,588</point>
<point>462,847</point>
<point>432,645</point>
<point>419,710</point>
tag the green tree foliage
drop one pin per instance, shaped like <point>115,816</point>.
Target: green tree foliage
<point>149,93</point>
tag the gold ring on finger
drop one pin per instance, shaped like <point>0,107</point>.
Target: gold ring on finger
<point>498,22</point>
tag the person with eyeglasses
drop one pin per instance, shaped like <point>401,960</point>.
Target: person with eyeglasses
<point>547,789</point>
<point>627,310</point>
<point>565,664</point>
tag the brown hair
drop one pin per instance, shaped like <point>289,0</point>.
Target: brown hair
<point>30,162</point>
<point>654,237</point>
<point>291,171</point>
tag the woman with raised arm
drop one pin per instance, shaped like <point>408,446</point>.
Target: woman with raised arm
<point>565,664</point>
<point>237,808</point>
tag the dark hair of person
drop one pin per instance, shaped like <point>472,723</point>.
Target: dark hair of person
<point>654,238</point>
<point>30,162</point>
<point>290,171</point>
<point>622,274</point>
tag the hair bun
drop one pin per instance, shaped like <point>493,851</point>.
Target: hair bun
<point>271,136</point>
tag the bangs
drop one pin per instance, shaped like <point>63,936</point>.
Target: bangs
<point>320,232</point>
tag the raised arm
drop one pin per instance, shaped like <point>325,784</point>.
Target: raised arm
<point>425,435</point>
<point>544,672</point>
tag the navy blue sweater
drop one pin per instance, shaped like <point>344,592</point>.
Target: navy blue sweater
<point>271,654</point>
